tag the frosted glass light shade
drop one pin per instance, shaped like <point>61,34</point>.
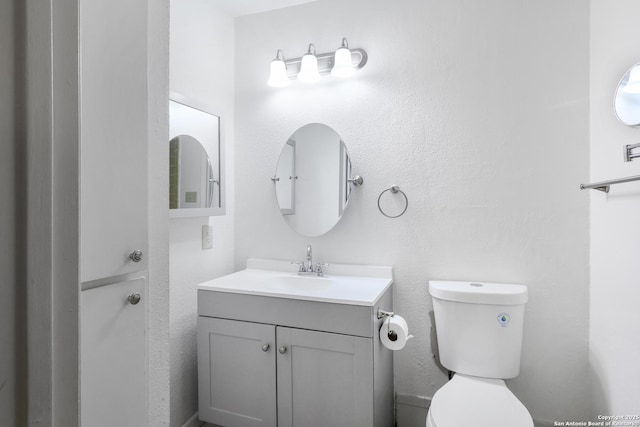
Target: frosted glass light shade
<point>278,76</point>
<point>633,85</point>
<point>342,65</point>
<point>309,69</point>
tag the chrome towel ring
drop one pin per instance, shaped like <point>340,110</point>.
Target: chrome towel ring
<point>394,189</point>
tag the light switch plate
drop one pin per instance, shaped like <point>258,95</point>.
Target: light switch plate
<point>207,237</point>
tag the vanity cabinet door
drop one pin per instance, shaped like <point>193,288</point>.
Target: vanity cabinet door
<point>324,379</point>
<point>237,373</point>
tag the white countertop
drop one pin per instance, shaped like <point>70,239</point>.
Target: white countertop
<point>341,284</point>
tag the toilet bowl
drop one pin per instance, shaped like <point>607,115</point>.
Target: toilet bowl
<point>479,328</point>
<point>479,402</point>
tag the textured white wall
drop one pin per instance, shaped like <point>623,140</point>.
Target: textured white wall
<point>615,237</point>
<point>479,111</point>
<point>201,68</point>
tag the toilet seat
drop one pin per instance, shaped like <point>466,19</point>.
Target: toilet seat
<point>478,402</point>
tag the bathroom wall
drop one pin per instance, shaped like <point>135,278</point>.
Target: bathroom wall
<point>615,237</point>
<point>201,68</point>
<point>479,112</point>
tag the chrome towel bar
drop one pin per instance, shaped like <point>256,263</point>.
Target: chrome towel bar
<point>604,185</point>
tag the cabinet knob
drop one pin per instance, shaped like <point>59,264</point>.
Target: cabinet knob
<point>136,256</point>
<point>134,298</point>
<point>266,347</point>
<point>282,349</point>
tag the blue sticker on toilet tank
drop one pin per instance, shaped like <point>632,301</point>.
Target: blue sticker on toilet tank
<point>503,319</point>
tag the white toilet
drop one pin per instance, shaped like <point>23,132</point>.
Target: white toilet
<point>479,328</point>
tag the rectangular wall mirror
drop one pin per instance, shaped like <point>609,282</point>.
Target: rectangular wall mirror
<point>196,159</point>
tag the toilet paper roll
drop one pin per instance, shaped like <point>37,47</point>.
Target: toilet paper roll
<point>394,333</point>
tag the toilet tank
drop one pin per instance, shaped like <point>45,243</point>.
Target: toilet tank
<point>479,327</point>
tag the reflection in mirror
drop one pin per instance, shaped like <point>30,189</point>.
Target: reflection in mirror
<point>195,168</point>
<point>312,179</point>
<point>627,100</point>
<point>285,191</point>
<point>191,180</point>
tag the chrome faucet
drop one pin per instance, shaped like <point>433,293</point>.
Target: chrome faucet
<point>309,261</point>
<point>307,266</point>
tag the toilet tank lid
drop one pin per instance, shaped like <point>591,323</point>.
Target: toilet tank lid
<point>479,292</point>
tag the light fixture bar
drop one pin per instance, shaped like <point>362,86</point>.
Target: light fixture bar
<point>325,62</point>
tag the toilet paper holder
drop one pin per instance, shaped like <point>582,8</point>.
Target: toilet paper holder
<point>382,314</point>
<point>390,336</point>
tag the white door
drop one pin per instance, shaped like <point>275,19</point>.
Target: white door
<point>113,211</point>
<point>113,355</point>
<point>113,137</point>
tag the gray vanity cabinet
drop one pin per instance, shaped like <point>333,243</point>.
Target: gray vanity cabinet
<point>324,379</point>
<point>277,362</point>
<point>238,361</point>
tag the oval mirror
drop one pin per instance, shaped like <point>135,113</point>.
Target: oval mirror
<point>627,99</point>
<point>312,179</point>
<point>192,183</point>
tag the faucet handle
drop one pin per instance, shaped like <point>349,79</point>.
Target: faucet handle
<point>301,269</point>
<point>319,266</point>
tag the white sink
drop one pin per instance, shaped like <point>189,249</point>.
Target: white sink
<point>341,284</point>
<point>290,282</point>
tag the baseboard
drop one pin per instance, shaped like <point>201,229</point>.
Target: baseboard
<point>413,400</point>
<point>193,421</point>
<point>411,410</point>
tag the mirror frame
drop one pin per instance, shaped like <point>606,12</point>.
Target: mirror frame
<point>198,105</point>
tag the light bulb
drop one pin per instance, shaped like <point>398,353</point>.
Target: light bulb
<point>309,67</point>
<point>633,85</point>
<point>278,76</point>
<point>342,65</point>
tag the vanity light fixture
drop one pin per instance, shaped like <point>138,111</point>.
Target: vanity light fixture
<point>342,64</point>
<point>308,68</point>
<point>278,76</point>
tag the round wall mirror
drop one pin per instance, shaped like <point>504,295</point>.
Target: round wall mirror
<point>313,179</point>
<point>627,99</point>
<point>192,183</point>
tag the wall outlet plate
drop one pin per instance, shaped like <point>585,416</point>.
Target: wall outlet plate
<point>191,197</point>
